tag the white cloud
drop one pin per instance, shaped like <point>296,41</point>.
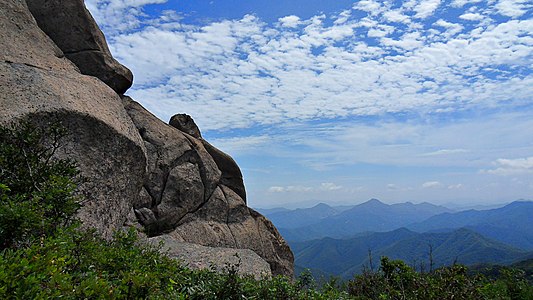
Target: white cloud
<point>426,8</point>
<point>431,184</point>
<point>323,187</point>
<point>457,186</point>
<point>241,145</point>
<point>396,16</point>
<point>513,8</point>
<point>507,167</point>
<point>276,189</point>
<point>369,6</point>
<point>119,15</point>
<point>329,186</point>
<point>392,187</point>
<point>252,73</point>
<point>343,17</point>
<point>461,3</point>
<point>451,28</point>
<point>290,21</point>
<point>471,17</point>
<point>290,189</point>
<point>446,152</point>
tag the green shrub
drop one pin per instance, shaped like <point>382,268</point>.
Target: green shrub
<point>36,190</point>
<point>396,280</point>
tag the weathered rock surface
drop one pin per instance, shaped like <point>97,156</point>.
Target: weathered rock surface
<point>245,261</point>
<point>164,180</point>
<point>37,83</point>
<point>231,173</point>
<point>70,25</point>
<point>195,195</point>
<point>185,123</point>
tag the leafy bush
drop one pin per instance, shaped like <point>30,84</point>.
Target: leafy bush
<point>396,280</point>
<point>36,190</point>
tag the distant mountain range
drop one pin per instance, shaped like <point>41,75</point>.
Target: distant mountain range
<point>346,257</point>
<point>511,224</point>
<point>336,240</point>
<point>323,220</point>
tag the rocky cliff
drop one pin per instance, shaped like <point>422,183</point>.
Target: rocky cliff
<point>163,179</point>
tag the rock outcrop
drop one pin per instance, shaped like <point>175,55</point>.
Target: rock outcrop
<point>38,83</point>
<point>191,195</point>
<point>195,256</point>
<point>163,179</point>
<point>70,25</point>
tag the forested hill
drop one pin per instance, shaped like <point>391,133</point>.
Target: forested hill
<point>345,257</point>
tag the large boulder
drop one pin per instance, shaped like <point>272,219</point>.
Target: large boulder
<point>196,194</point>
<point>37,83</point>
<point>73,29</point>
<point>231,173</point>
<point>244,261</point>
<point>185,123</point>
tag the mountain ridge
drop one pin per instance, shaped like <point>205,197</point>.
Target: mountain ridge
<point>509,224</point>
<point>346,257</point>
<point>372,215</point>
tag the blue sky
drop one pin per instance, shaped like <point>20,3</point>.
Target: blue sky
<point>342,101</point>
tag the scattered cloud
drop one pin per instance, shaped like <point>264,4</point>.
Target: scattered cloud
<point>464,143</point>
<point>471,17</point>
<point>461,3</point>
<point>323,187</point>
<point>290,21</point>
<point>329,186</point>
<point>255,74</point>
<point>445,152</point>
<point>290,188</point>
<point>508,167</point>
<point>513,8</point>
<point>433,85</point>
<point>456,186</point>
<point>426,8</point>
<point>431,184</point>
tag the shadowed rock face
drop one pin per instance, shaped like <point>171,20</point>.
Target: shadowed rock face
<point>164,180</point>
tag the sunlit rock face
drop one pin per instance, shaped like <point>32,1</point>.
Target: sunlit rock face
<point>38,83</point>
<point>162,179</point>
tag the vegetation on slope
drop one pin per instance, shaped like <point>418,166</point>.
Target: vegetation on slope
<point>348,257</point>
<point>510,224</point>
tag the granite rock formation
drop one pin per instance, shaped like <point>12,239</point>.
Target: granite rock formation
<point>38,83</point>
<point>81,40</point>
<point>165,180</point>
<point>196,256</point>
